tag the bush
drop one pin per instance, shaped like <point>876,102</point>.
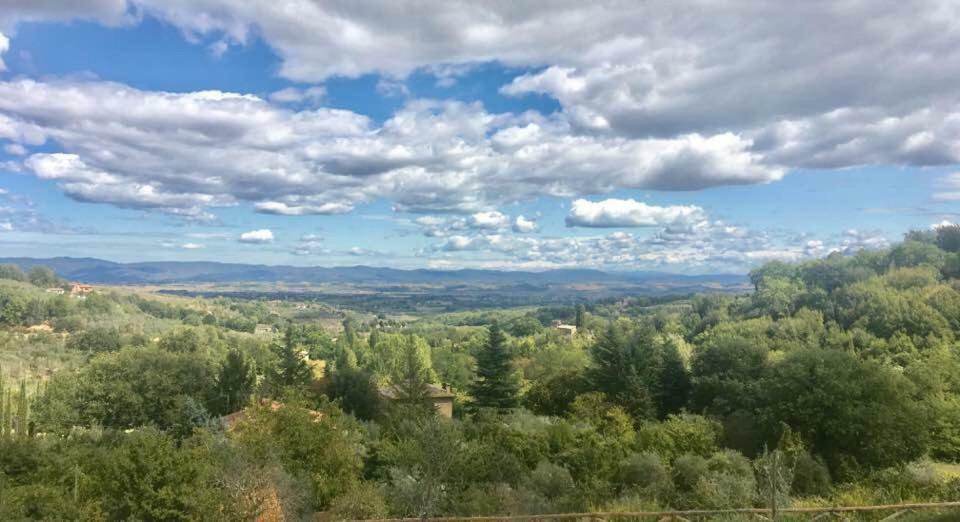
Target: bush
<point>646,475</point>
<point>810,476</point>
<point>363,501</point>
<point>678,435</point>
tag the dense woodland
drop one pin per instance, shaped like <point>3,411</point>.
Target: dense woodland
<point>837,381</point>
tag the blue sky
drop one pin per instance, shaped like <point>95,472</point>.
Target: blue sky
<point>465,136</point>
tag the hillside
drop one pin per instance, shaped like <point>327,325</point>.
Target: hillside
<point>100,271</point>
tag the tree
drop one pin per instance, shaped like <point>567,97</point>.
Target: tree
<point>413,376</point>
<point>235,382</point>
<point>356,391</point>
<point>95,340</point>
<point>580,316</point>
<point>373,338</point>
<point>495,386</point>
<point>858,415</point>
<point>948,237</point>
<point>674,383</point>
<point>126,389</point>
<point>290,368</point>
<point>183,341</point>
<point>43,277</point>
<point>725,373</point>
<point>611,367</point>
<point>12,272</point>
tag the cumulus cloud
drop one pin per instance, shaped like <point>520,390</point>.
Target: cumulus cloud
<point>634,70</point>
<point>263,235</point>
<point>492,220</point>
<point>191,246</point>
<point>522,225</point>
<point>857,94</point>
<point>6,226</point>
<point>611,213</point>
<point>185,153</point>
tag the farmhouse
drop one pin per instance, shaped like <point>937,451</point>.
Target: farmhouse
<point>263,329</point>
<point>565,329</point>
<point>440,396</point>
<point>80,290</point>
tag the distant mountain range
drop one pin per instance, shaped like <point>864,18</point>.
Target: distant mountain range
<point>99,271</point>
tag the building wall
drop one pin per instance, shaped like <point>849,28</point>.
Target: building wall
<point>444,407</point>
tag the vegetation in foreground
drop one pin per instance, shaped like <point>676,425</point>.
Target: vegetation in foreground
<point>836,381</point>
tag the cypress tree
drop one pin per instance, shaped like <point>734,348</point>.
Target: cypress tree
<point>495,385</point>
<point>291,369</point>
<point>674,390</point>
<point>3,406</point>
<point>413,376</point>
<point>23,410</point>
<point>374,338</point>
<point>234,382</point>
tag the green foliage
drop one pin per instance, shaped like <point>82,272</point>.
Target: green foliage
<point>679,435</point>
<point>290,368</point>
<point>320,447</point>
<point>495,386</point>
<point>856,414</point>
<point>95,340</point>
<point>126,389</point>
<point>725,374</point>
<point>555,396</point>
<point>355,391</point>
<point>235,382</point>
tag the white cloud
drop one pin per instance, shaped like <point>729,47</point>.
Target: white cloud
<point>630,213</point>
<point>4,47</point>
<point>191,246</point>
<point>185,153</point>
<point>948,188</point>
<point>218,48</point>
<point>15,149</point>
<point>263,235</point>
<point>6,226</point>
<point>943,223</point>
<point>313,94</point>
<point>522,225</point>
<point>874,93</point>
<point>491,220</point>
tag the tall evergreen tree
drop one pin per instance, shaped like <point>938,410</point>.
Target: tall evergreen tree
<point>674,383</point>
<point>610,371</point>
<point>412,377</point>
<point>291,368</point>
<point>234,382</point>
<point>495,385</point>
<point>374,338</point>
<point>581,315</point>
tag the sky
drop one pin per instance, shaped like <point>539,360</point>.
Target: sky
<point>687,137</point>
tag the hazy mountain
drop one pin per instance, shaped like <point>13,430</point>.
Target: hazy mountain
<point>99,271</point>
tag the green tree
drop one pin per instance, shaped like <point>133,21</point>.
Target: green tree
<point>411,379</point>
<point>581,313</point>
<point>290,367</point>
<point>235,382</point>
<point>856,414</point>
<point>43,277</point>
<point>96,340</point>
<point>495,386</point>
<point>126,389</point>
